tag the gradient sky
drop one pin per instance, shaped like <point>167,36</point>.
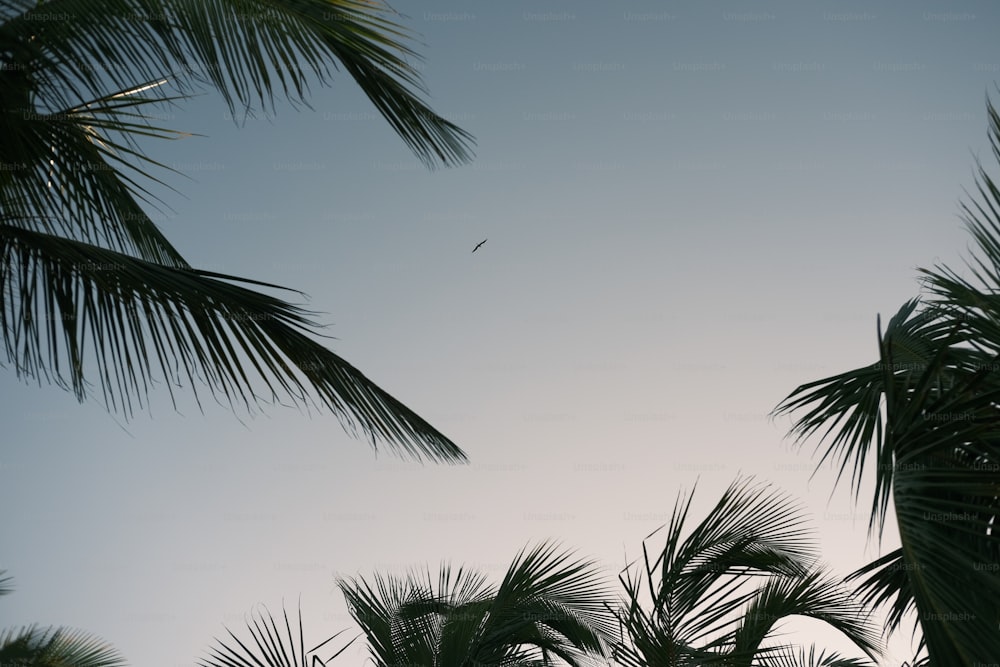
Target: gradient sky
<point>691,209</point>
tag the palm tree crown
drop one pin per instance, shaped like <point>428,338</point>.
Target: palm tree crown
<point>548,610</point>
<point>923,421</point>
<point>87,280</point>
<point>33,646</point>
<point>547,607</point>
<point>717,597</point>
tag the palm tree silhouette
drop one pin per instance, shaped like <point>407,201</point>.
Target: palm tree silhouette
<point>716,597</point>
<point>922,421</point>
<point>90,289</point>
<point>53,647</point>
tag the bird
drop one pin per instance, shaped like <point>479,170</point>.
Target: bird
<point>478,245</point>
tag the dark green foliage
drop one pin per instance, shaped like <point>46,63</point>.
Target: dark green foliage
<point>713,598</point>
<point>270,646</point>
<point>88,281</point>
<point>53,647</point>
<point>547,606</point>
<point>924,422</point>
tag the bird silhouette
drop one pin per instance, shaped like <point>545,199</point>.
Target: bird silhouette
<point>479,245</point>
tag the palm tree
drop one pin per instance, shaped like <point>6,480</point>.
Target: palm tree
<point>717,597</point>
<point>923,422</point>
<point>53,647</point>
<point>547,608</point>
<point>90,289</point>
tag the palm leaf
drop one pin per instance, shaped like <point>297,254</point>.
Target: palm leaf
<point>56,647</point>
<point>751,531</point>
<point>945,494</point>
<point>931,413</point>
<point>77,78</point>
<point>799,658</point>
<point>814,595</point>
<point>269,646</point>
<point>887,584</point>
<point>928,461</point>
<point>78,171</point>
<point>544,589</point>
<point>249,50</point>
<point>194,326</point>
<point>547,606</point>
<point>718,593</point>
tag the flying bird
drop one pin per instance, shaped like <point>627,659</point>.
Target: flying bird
<point>479,245</point>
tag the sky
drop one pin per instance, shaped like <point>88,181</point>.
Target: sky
<point>691,209</point>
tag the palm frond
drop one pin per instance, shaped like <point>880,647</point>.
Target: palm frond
<point>547,606</point>
<point>887,583</point>
<point>847,409</point>
<point>752,530</point>
<point>269,646</point>
<point>405,619</point>
<point>946,499</point>
<point>931,410</point>
<point>79,171</point>
<point>61,296</point>
<point>56,647</point>
<point>814,595</point>
<point>717,594</point>
<point>547,589</point>
<point>249,50</point>
<point>546,573</point>
<point>374,608</point>
<point>800,658</point>
<point>77,80</point>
